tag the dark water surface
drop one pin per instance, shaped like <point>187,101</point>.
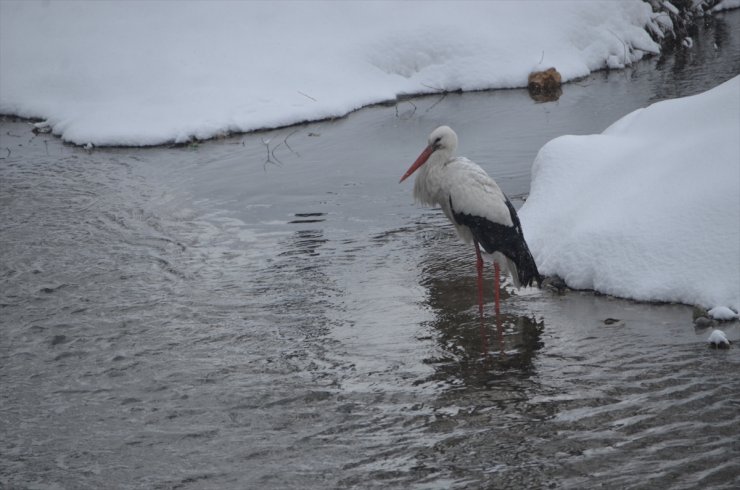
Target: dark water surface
<point>254,314</point>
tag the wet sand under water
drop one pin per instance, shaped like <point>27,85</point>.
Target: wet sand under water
<point>273,311</point>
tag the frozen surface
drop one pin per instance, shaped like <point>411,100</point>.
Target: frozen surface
<point>649,209</point>
<point>145,73</point>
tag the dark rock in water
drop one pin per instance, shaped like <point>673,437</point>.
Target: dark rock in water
<point>58,339</point>
<point>720,345</point>
<point>703,322</point>
<point>699,311</point>
<point>555,283</point>
<point>612,321</point>
<point>544,86</point>
<point>718,340</point>
<point>51,288</point>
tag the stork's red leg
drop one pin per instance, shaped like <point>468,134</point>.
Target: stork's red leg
<point>497,278</point>
<point>479,266</point>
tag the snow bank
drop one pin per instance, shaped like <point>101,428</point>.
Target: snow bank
<point>722,313</point>
<point>726,5</point>
<point>144,73</point>
<point>650,208</point>
<point>718,339</point>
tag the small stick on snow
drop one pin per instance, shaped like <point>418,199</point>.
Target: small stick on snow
<point>306,95</point>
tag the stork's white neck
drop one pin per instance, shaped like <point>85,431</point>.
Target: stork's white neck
<point>429,178</point>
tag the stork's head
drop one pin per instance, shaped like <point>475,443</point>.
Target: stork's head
<point>442,143</point>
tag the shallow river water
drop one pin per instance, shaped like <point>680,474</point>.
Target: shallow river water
<point>273,311</point>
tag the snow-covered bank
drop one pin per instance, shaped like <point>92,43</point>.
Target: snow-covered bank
<point>650,208</point>
<point>726,5</point>
<point>145,73</point>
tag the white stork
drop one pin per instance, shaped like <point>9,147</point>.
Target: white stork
<point>475,204</point>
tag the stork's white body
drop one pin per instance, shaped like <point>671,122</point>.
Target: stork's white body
<point>471,191</point>
<point>469,188</point>
<point>475,205</point>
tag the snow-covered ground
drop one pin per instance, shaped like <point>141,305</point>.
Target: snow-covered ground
<point>722,313</point>
<point>145,73</point>
<point>726,5</point>
<point>650,208</point>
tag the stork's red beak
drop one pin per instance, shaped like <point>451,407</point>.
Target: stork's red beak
<point>418,163</point>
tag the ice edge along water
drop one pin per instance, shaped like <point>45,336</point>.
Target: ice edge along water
<point>650,208</point>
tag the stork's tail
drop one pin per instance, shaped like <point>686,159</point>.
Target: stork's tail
<point>523,267</point>
<point>505,239</point>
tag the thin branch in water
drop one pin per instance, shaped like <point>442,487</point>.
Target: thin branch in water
<point>542,58</point>
<point>306,95</point>
<point>286,142</point>
<point>444,95</point>
<point>273,152</point>
<point>441,91</point>
<point>412,112</point>
<point>268,159</point>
